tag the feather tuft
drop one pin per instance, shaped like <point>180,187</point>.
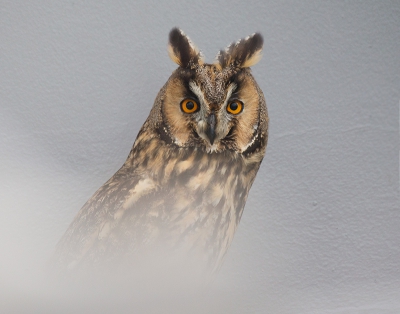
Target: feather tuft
<point>182,51</point>
<point>242,54</point>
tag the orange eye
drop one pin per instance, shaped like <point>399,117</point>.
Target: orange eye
<point>235,107</point>
<point>189,105</point>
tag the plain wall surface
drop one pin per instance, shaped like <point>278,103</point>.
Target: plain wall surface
<point>321,229</point>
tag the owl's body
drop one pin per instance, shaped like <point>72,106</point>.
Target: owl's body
<point>185,182</point>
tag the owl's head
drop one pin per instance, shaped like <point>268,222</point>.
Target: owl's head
<point>215,106</point>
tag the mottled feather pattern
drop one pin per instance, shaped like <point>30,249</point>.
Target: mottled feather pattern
<point>179,191</point>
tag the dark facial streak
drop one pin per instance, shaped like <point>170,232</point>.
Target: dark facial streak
<point>211,124</point>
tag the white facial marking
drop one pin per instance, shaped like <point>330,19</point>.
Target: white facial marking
<point>198,92</point>
<point>250,143</point>
<point>223,117</point>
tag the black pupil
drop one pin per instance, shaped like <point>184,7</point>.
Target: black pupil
<point>234,106</point>
<point>190,105</point>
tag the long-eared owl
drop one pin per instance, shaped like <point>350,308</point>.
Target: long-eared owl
<point>185,182</point>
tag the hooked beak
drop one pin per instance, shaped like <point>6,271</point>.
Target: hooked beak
<point>211,128</point>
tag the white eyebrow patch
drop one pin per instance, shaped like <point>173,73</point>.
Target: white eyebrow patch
<point>230,90</point>
<point>200,95</point>
<point>197,91</point>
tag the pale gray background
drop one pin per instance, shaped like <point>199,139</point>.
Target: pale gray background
<point>321,230</point>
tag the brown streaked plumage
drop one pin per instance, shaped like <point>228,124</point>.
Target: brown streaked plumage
<point>185,182</point>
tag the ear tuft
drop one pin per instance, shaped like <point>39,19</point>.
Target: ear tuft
<point>242,54</point>
<point>182,51</point>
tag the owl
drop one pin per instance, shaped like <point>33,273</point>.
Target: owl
<point>184,184</point>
